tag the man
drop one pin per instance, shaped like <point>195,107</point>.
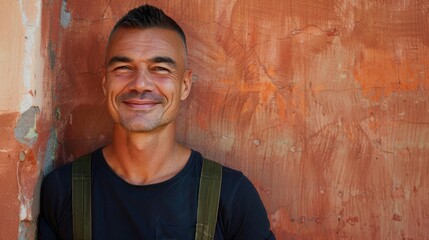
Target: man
<point>145,184</point>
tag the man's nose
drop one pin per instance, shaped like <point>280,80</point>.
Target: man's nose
<point>142,81</point>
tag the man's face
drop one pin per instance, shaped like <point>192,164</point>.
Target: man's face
<point>146,78</point>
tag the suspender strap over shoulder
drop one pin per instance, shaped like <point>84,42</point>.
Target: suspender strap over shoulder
<point>208,200</point>
<point>81,198</point>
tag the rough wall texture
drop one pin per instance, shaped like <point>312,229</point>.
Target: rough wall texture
<point>323,104</point>
<point>24,117</point>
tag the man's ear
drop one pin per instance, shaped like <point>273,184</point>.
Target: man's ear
<point>186,84</point>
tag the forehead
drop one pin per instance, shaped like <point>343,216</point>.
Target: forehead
<point>146,43</point>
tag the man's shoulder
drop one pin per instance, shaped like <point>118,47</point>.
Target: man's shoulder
<point>229,174</point>
<point>60,177</point>
<point>233,180</point>
<point>232,173</point>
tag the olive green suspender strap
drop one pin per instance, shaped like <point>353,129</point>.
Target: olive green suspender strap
<point>208,199</point>
<point>81,198</point>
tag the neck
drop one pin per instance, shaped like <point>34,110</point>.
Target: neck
<point>143,158</point>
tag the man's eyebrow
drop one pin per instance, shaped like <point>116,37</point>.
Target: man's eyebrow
<point>161,59</point>
<point>116,59</point>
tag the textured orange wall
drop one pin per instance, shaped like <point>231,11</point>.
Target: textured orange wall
<point>323,104</point>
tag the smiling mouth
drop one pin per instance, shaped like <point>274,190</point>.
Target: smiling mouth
<point>137,101</point>
<point>141,104</point>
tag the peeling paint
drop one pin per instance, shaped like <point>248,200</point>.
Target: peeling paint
<point>50,153</point>
<point>31,19</point>
<point>27,230</point>
<point>25,208</point>
<point>65,15</point>
<point>23,94</point>
<point>27,175</point>
<point>31,134</point>
<point>25,130</point>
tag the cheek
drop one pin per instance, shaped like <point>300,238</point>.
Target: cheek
<point>112,91</point>
<point>169,87</point>
<point>114,87</point>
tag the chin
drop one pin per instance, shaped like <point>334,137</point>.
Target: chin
<point>138,126</point>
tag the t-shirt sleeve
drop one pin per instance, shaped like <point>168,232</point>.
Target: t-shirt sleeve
<point>55,208</point>
<point>247,217</point>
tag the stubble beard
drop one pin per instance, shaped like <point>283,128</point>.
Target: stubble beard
<point>141,124</point>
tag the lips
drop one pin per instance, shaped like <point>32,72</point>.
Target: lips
<point>141,105</point>
<point>140,101</point>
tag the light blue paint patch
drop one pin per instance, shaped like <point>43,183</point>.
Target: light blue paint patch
<point>25,130</point>
<point>32,134</point>
<point>65,15</point>
<point>50,153</point>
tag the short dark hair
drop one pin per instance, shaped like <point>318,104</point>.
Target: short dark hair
<point>147,16</point>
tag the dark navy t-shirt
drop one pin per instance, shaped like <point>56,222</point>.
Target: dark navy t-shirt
<point>166,210</point>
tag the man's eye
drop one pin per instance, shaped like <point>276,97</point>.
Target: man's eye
<point>123,68</point>
<point>160,69</point>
